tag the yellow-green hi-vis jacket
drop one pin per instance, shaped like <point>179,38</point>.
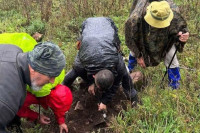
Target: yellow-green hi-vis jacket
<point>27,43</point>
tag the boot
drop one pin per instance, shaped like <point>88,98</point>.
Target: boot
<point>132,62</point>
<point>174,77</point>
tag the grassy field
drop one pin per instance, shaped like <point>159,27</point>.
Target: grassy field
<point>162,110</point>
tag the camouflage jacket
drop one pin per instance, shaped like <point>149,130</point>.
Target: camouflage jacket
<point>149,42</point>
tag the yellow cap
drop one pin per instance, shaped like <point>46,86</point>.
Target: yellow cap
<point>159,14</point>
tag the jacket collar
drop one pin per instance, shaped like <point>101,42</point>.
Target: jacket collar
<point>23,67</point>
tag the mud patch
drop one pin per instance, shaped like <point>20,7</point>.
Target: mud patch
<point>83,117</point>
<point>88,118</point>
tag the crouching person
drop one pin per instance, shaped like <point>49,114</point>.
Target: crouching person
<point>18,69</point>
<point>53,95</point>
<point>59,100</point>
<point>99,61</point>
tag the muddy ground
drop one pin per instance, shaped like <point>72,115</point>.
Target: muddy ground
<point>87,118</point>
<point>84,117</point>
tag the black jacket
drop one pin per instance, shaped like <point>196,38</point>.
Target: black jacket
<point>14,75</point>
<point>99,50</point>
<point>120,72</point>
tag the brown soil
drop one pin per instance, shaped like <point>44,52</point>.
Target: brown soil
<point>86,118</point>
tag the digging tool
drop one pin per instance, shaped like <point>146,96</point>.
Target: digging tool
<point>104,114</point>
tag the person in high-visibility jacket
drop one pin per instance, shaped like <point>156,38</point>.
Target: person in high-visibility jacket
<point>53,95</point>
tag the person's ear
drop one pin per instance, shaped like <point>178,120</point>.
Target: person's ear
<point>93,76</point>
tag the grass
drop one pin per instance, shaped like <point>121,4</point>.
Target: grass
<point>162,110</point>
<point>165,110</point>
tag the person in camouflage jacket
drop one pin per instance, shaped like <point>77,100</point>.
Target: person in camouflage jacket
<point>150,44</point>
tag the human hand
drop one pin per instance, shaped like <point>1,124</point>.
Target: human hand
<point>183,37</point>
<point>78,45</point>
<point>140,61</point>
<point>102,107</point>
<point>37,36</point>
<point>91,89</point>
<point>44,120</point>
<point>63,127</point>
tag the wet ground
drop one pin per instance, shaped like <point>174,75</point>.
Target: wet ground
<point>84,117</point>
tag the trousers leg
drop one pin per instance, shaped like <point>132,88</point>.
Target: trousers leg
<point>128,87</point>
<point>174,77</point>
<point>173,72</point>
<point>132,62</point>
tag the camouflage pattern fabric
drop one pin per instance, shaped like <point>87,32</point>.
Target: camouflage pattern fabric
<point>148,42</point>
<point>47,58</point>
<point>141,3</point>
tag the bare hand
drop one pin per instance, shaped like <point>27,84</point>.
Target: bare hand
<point>183,37</point>
<point>37,36</point>
<point>78,45</point>
<point>102,107</point>
<point>63,127</point>
<point>140,61</point>
<point>91,89</point>
<point>44,120</point>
